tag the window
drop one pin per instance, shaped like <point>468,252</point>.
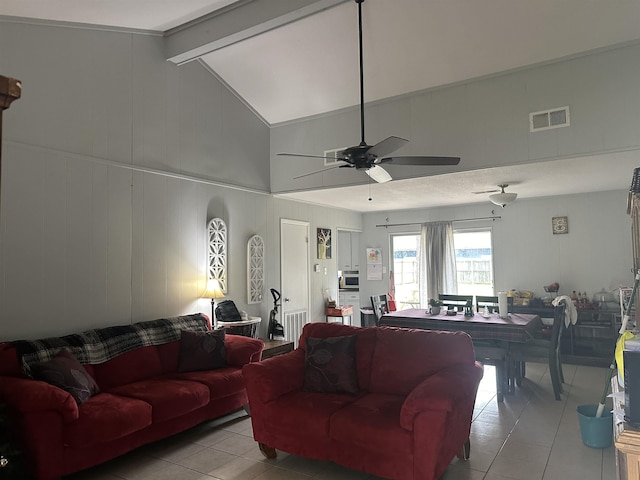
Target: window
<point>474,263</point>
<point>406,277</point>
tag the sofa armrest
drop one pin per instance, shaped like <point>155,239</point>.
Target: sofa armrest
<point>269,379</point>
<point>442,391</point>
<point>25,395</point>
<point>242,350</point>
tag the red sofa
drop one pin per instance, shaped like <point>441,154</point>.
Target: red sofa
<point>409,418</point>
<point>143,397</point>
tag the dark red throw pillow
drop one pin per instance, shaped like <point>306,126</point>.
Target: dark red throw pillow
<point>65,372</point>
<point>330,365</point>
<point>202,351</point>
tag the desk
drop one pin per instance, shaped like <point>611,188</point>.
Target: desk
<point>517,328</point>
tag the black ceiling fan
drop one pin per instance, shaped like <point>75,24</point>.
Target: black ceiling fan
<point>369,157</point>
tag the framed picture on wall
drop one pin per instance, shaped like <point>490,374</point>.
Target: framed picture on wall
<point>324,243</point>
<point>559,225</point>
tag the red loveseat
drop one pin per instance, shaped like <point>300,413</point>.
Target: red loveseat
<point>143,397</point>
<point>409,418</point>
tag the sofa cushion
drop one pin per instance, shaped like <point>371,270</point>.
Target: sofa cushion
<point>330,365</point>
<point>220,382</point>
<point>416,354</point>
<point>364,346</point>
<point>169,398</point>
<point>107,417</point>
<point>138,364</point>
<point>291,413</point>
<point>372,423</point>
<point>202,351</point>
<point>65,372</point>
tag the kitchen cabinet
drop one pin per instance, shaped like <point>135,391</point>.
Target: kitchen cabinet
<point>348,250</point>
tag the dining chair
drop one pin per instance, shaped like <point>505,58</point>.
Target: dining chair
<point>380,306</point>
<point>457,302</point>
<point>492,303</point>
<point>543,348</point>
<point>490,352</point>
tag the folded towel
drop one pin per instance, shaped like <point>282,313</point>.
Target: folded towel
<point>570,312</point>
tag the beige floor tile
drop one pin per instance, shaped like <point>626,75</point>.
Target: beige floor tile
<point>240,469</point>
<point>207,460</point>
<point>530,436</point>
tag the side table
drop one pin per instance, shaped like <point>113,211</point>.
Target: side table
<point>276,347</point>
<point>342,315</point>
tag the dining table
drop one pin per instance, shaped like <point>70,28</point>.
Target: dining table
<point>514,328</point>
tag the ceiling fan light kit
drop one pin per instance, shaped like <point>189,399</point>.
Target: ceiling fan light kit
<point>503,198</point>
<point>369,157</point>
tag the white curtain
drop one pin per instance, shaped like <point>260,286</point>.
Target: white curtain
<point>437,261</point>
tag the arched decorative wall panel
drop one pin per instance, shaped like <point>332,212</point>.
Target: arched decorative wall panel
<point>255,269</point>
<point>217,232</point>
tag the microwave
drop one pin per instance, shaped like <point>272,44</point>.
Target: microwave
<point>349,280</point>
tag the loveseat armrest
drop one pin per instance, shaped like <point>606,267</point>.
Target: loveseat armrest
<point>25,396</point>
<point>274,377</point>
<point>242,350</point>
<point>442,391</point>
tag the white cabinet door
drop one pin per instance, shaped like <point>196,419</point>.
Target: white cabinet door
<point>344,250</point>
<point>355,250</point>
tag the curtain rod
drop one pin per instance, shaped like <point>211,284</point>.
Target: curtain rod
<point>494,218</point>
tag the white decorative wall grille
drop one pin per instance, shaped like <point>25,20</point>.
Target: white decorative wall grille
<point>217,231</point>
<point>293,324</point>
<point>255,269</point>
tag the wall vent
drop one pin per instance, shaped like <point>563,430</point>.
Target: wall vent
<point>548,119</point>
<point>330,156</point>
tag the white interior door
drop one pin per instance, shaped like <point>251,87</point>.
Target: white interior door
<point>294,276</point>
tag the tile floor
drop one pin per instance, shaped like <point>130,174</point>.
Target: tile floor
<point>528,437</point>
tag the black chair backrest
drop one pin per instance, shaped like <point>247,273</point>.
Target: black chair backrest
<point>492,303</point>
<point>380,306</point>
<point>557,327</point>
<point>455,302</point>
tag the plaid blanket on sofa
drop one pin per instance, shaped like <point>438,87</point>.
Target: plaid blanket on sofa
<point>100,345</point>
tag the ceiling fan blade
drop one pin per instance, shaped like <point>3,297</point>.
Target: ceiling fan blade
<point>378,174</point>
<point>427,161</point>
<point>486,191</point>
<point>318,171</point>
<point>386,146</point>
<point>304,155</point>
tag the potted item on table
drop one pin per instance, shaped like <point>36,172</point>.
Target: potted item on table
<point>434,306</point>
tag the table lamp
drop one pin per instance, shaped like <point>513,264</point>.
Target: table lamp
<point>214,292</point>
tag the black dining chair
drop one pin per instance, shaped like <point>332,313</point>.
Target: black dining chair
<point>543,348</point>
<point>457,302</point>
<point>491,302</point>
<point>494,353</point>
<point>380,306</point>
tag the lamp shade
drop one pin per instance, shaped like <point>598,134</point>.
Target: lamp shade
<point>378,174</point>
<point>213,290</point>
<point>503,199</point>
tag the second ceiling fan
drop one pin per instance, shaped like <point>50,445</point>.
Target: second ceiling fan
<point>370,157</point>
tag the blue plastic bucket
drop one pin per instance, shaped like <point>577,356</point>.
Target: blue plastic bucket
<point>597,432</point>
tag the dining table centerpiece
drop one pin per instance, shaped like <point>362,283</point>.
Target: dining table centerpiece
<point>434,306</point>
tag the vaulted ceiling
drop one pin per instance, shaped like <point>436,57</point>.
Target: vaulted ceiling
<point>290,59</point>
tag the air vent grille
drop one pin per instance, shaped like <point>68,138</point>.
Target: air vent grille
<point>331,156</point>
<point>548,119</point>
